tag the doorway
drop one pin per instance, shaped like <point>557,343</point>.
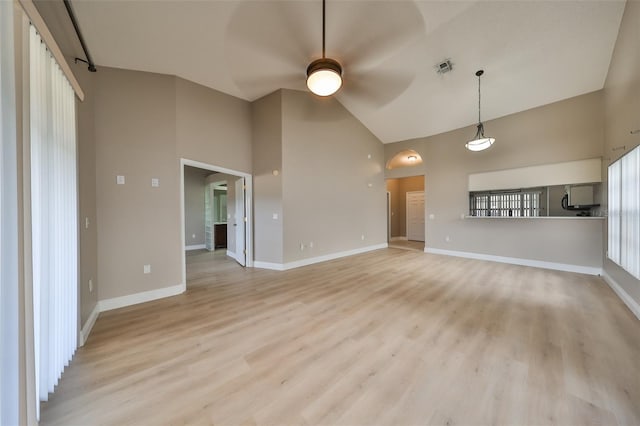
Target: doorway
<point>406,212</point>
<point>226,216</point>
<point>215,212</point>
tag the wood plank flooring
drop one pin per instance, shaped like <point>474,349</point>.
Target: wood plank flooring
<point>391,337</point>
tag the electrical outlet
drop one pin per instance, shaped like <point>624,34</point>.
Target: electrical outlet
<point>90,286</point>
<point>301,246</point>
<point>311,244</point>
<point>86,223</point>
<point>147,269</point>
<point>447,238</point>
<point>362,237</point>
<point>193,236</point>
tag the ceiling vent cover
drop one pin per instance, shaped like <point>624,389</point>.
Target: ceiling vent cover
<point>444,66</point>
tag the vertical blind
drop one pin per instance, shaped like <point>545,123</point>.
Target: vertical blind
<point>515,204</point>
<point>54,217</point>
<point>9,323</point>
<point>624,212</point>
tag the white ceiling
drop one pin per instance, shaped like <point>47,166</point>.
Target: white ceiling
<point>533,52</point>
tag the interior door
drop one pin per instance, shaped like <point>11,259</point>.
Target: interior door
<point>415,216</point>
<point>209,242</point>
<point>239,222</point>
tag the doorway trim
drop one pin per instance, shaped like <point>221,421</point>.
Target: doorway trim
<point>248,197</point>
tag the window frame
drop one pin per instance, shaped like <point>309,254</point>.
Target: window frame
<point>623,218</point>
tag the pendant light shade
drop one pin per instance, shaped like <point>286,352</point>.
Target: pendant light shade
<point>324,75</point>
<point>480,142</point>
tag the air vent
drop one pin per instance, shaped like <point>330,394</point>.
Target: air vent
<point>444,66</point>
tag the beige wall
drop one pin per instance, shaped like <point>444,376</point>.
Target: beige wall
<point>326,175</point>
<point>398,188</point>
<point>266,126</point>
<point>572,129</point>
<point>622,115</point>
<point>135,136</point>
<point>144,124</point>
<point>212,127</point>
<point>194,189</point>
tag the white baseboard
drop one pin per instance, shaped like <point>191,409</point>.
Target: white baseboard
<point>404,238</point>
<point>195,247</point>
<point>589,270</point>
<point>622,294</point>
<point>145,296</point>
<point>268,265</point>
<point>317,259</point>
<point>121,302</point>
<point>86,328</point>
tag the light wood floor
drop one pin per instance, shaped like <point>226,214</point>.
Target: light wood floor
<point>407,245</point>
<point>391,337</point>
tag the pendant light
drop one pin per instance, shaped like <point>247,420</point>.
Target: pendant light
<point>324,75</point>
<point>480,142</point>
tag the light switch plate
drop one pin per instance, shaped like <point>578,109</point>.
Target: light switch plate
<point>120,180</point>
<point>275,216</point>
<point>147,269</point>
<point>155,182</point>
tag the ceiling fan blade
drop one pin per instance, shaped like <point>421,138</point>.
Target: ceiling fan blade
<point>278,43</point>
<point>375,88</point>
<point>265,84</point>
<point>383,28</point>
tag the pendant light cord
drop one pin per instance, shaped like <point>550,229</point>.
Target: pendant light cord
<point>323,27</point>
<point>479,121</point>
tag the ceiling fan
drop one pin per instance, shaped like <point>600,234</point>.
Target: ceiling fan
<point>324,75</point>
<point>363,40</point>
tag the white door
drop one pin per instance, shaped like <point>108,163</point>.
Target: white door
<point>209,242</point>
<point>415,216</point>
<point>239,223</point>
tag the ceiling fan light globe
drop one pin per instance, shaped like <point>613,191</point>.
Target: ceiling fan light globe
<point>324,77</point>
<point>479,144</point>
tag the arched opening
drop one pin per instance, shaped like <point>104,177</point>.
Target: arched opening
<point>405,158</point>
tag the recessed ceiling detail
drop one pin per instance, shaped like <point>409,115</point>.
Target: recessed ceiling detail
<point>406,158</point>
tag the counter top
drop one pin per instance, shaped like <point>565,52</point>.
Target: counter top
<point>538,217</point>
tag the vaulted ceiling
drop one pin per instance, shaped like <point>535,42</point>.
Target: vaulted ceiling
<point>533,52</point>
